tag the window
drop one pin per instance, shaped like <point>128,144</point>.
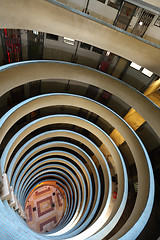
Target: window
<point>85,46</point>
<point>52,36</point>
<point>97,50</point>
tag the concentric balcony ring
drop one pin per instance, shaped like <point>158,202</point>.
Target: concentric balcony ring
<point>101,226</point>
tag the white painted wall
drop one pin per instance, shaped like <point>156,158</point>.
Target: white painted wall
<point>95,8</point>
<point>80,5</point>
<point>61,51</point>
<point>153,31</point>
<point>102,9</point>
<point>107,13</point>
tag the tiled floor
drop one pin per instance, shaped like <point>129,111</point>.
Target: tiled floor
<point>45,206</point>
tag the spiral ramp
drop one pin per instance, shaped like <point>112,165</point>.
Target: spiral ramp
<point>74,151</point>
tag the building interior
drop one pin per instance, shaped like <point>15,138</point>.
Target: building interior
<point>79,119</point>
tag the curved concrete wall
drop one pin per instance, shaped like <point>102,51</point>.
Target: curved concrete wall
<point>144,174</point>
<point>80,166</point>
<point>78,26</point>
<point>13,77</point>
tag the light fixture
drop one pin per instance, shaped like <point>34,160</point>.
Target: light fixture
<point>69,41</point>
<point>147,72</point>
<point>135,65</point>
<point>107,53</point>
<point>35,32</point>
<point>140,23</point>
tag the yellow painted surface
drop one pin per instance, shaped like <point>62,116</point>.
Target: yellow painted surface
<point>133,118</point>
<point>117,137</point>
<point>153,87</point>
<point>155,97</point>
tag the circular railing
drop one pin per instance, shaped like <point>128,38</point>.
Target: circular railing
<point>54,147</point>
